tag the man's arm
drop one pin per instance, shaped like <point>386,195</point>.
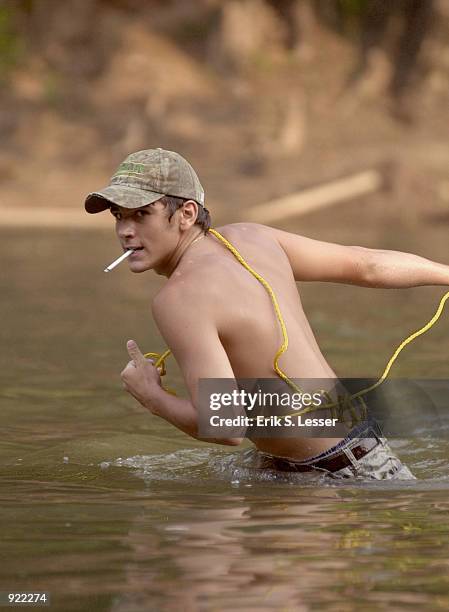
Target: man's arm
<point>193,339</point>
<point>314,260</point>
<point>398,270</point>
<point>142,380</point>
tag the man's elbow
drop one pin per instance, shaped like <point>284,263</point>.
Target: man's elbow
<point>364,272</point>
<point>376,272</point>
<point>233,441</point>
<point>224,441</point>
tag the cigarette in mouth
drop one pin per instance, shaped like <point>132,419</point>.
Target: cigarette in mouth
<point>118,260</point>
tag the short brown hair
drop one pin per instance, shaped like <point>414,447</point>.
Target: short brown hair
<point>173,203</point>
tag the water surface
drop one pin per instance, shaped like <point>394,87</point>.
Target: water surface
<point>109,508</point>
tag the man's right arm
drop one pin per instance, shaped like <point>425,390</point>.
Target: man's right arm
<point>193,338</point>
<point>314,260</point>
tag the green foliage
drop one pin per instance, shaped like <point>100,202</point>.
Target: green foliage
<point>189,30</point>
<point>52,89</point>
<point>353,7</point>
<point>11,45</point>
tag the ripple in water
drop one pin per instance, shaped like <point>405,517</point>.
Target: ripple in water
<point>426,457</point>
<point>207,464</point>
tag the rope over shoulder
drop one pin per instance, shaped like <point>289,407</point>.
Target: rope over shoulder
<point>342,402</point>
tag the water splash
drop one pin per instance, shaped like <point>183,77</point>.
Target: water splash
<point>240,468</point>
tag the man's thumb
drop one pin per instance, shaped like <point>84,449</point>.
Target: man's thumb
<point>135,353</point>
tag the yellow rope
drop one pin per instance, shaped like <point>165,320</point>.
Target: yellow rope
<point>404,343</point>
<point>277,310</point>
<point>159,362</point>
<point>343,402</point>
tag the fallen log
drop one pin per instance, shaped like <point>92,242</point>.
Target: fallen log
<point>315,198</point>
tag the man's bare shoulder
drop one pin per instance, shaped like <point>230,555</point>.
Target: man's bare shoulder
<point>183,312</point>
<point>255,234</point>
<point>168,300</point>
<point>186,294</point>
<point>244,227</point>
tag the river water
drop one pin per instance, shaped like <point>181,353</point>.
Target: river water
<point>106,507</point>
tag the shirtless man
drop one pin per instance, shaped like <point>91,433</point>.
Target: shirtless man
<point>211,309</point>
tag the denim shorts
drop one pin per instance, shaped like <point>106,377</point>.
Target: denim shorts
<point>380,463</point>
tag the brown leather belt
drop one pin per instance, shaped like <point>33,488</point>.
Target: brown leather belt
<point>333,463</point>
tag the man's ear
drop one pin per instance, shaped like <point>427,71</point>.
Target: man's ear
<point>189,214</point>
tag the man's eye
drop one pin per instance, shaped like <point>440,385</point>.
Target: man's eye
<point>118,216</point>
<point>141,213</point>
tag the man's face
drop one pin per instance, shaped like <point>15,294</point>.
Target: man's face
<point>148,229</point>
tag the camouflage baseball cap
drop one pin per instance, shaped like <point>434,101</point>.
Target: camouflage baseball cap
<point>146,176</point>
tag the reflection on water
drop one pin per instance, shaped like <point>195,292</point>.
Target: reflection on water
<point>109,508</point>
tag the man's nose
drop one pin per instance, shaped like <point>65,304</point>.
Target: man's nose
<point>126,228</point>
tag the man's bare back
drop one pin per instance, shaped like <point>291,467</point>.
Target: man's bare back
<point>237,306</point>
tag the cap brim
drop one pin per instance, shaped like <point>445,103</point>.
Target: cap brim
<point>121,195</point>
